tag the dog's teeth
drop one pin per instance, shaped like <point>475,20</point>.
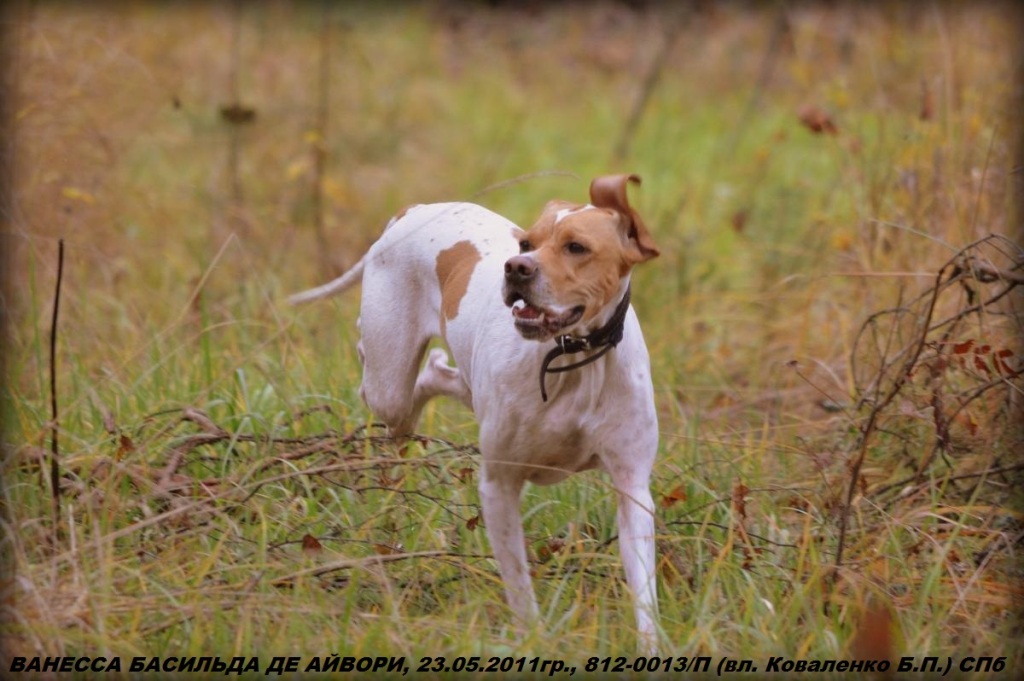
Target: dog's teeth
<point>518,305</point>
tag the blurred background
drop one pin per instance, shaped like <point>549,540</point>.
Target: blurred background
<point>298,126</point>
<point>775,141</point>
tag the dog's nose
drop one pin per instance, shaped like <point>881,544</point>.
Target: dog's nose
<point>520,268</point>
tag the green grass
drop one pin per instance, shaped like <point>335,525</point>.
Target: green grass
<point>777,244</point>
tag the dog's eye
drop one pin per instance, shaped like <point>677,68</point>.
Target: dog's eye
<point>576,248</point>
<point>524,246</point>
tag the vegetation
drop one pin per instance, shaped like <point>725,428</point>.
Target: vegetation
<point>834,326</point>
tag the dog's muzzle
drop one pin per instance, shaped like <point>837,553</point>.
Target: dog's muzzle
<point>532,321</point>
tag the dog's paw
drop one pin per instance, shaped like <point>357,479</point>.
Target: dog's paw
<point>437,361</point>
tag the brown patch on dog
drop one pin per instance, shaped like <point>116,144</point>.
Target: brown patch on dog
<point>454,268</point>
<point>401,214</point>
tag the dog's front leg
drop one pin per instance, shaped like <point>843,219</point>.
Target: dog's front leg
<point>636,543</point>
<point>500,497</point>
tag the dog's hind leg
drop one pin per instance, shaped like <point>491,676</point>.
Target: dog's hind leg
<point>394,387</point>
<point>392,342</point>
<point>391,402</point>
<point>385,387</point>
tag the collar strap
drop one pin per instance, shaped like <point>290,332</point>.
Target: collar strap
<point>604,339</point>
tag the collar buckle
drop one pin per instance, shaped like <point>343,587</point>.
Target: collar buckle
<point>568,343</point>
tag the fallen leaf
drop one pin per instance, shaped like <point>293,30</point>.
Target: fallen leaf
<point>999,360</point>
<point>125,446</point>
<point>676,495</point>
<point>310,545</point>
<point>739,501</point>
<point>962,348</point>
<point>980,365</point>
<point>815,119</point>
<point>549,549</point>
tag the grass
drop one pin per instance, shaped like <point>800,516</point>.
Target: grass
<point>292,527</point>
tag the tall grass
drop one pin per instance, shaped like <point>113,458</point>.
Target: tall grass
<point>214,449</point>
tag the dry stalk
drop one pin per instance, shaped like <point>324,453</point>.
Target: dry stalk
<point>54,418</point>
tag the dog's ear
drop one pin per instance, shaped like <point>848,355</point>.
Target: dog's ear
<point>609,191</point>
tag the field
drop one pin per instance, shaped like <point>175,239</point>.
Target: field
<point>834,327</point>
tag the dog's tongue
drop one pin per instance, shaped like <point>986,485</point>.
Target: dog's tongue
<point>526,312</point>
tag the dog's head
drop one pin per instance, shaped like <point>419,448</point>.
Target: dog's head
<point>574,261</point>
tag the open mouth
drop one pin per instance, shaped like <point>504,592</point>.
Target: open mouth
<point>533,321</point>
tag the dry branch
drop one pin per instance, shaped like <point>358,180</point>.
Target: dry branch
<point>933,353</point>
<point>351,563</point>
<point>54,419</point>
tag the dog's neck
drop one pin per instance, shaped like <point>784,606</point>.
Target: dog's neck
<point>597,342</point>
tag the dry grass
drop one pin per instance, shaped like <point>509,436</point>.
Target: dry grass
<point>223,492</point>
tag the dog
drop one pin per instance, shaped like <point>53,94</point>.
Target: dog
<point>548,354</point>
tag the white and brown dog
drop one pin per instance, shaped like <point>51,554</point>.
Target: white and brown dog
<point>453,270</point>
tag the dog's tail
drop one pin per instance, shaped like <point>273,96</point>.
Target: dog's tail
<point>345,281</point>
<point>348,279</point>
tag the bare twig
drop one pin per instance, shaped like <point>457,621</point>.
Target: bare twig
<point>988,273</point>
<point>948,478</point>
<point>54,421</point>
<point>350,563</point>
<point>963,266</point>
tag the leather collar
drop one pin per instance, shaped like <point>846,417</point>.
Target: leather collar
<point>603,339</point>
